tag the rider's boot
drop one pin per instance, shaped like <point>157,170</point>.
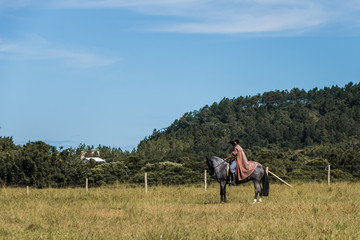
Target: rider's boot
<point>233,181</point>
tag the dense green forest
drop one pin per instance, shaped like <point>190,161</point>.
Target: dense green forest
<point>296,133</point>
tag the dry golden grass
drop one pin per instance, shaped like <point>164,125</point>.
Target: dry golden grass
<point>308,211</point>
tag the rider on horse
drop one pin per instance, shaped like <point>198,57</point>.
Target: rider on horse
<point>241,166</point>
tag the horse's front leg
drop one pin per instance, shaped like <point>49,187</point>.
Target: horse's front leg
<point>221,194</point>
<point>223,191</point>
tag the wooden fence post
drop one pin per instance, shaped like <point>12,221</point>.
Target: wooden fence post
<point>146,183</point>
<point>267,171</point>
<point>87,184</point>
<point>27,190</point>
<point>329,175</point>
<point>205,180</point>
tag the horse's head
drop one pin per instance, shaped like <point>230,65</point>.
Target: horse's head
<point>209,163</point>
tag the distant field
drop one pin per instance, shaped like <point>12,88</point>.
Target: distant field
<point>308,211</point>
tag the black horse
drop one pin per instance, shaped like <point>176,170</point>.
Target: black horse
<point>219,166</point>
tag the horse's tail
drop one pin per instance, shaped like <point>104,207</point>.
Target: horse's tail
<point>266,185</point>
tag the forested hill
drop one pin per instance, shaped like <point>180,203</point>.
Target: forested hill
<point>281,120</point>
<point>296,134</point>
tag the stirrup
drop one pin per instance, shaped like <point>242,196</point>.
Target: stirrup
<point>228,181</point>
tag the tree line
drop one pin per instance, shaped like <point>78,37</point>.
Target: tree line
<point>295,133</point>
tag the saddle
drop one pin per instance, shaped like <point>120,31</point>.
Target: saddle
<point>227,170</point>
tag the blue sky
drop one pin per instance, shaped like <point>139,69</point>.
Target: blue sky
<point>109,72</point>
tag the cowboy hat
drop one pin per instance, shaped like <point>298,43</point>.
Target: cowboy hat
<point>234,140</point>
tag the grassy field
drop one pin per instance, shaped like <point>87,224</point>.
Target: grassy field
<point>308,211</point>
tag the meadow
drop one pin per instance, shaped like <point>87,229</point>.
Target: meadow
<point>307,211</point>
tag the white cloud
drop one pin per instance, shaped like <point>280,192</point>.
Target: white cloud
<point>232,16</point>
<point>226,16</point>
<point>259,21</point>
<point>13,4</point>
<point>79,59</point>
<point>6,47</point>
<point>38,48</point>
<point>122,3</point>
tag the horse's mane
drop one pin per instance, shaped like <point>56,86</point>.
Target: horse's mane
<point>218,158</point>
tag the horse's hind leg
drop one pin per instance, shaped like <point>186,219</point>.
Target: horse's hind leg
<point>261,192</point>
<point>257,191</point>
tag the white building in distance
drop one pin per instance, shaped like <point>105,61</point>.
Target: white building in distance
<point>96,159</point>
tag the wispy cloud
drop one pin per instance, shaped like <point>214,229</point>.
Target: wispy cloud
<point>259,21</point>
<point>68,58</point>
<point>123,3</point>
<point>15,3</point>
<point>234,16</point>
<point>38,48</point>
<point>6,47</point>
<point>225,16</point>
<point>77,59</point>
